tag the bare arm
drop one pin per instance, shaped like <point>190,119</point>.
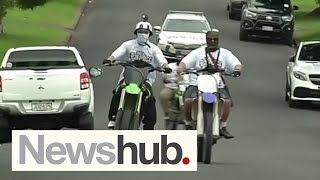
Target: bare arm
<point>187,62</point>
<point>238,67</point>
<point>181,68</point>
<point>234,64</point>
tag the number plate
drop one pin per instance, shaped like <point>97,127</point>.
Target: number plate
<point>267,28</point>
<point>41,106</point>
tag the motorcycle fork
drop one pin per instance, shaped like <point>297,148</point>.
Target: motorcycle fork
<point>122,100</point>
<point>220,107</point>
<point>200,122</point>
<point>138,104</point>
<point>121,103</point>
<point>216,117</point>
<point>180,97</point>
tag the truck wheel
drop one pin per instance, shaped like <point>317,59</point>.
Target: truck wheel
<point>86,121</point>
<point>5,130</point>
<point>243,36</point>
<point>288,40</point>
<point>287,91</point>
<point>231,13</point>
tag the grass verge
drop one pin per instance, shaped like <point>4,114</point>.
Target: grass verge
<point>307,27</point>
<point>45,25</point>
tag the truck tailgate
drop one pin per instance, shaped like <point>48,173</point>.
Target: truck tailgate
<point>53,84</point>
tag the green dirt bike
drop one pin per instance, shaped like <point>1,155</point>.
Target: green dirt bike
<point>133,89</point>
<point>176,107</point>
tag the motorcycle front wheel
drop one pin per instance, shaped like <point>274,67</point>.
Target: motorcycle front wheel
<point>171,125</point>
<point>208,133</point>
<point>125,119</point>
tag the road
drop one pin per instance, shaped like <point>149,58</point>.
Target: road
<point>271,141</point>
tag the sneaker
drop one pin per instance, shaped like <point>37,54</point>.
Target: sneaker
<point>188,125</point>
<point>224,132</point>
<point>111,124</point>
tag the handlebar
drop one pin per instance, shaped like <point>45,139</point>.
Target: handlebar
<point>130,64</point>
<point>209,71</point>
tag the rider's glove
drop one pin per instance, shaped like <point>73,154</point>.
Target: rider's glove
<point>236,73</point>
<point>167,70</point>
<point>107,62</point>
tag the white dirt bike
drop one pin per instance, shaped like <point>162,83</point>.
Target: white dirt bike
<point>206,111</point>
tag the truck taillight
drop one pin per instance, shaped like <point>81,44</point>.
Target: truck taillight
<point>0,84</point>
<point>84,81</point>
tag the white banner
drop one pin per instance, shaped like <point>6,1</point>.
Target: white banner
<point>101,150</point>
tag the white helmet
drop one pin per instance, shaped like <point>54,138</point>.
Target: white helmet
<point>144,25</point>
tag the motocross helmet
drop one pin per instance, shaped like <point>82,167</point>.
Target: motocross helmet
<point>144,25</point>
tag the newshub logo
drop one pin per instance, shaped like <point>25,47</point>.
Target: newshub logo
<point>99,150</point>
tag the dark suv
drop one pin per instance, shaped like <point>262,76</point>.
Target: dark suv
<point>235,7</point>
<point>271,18</point>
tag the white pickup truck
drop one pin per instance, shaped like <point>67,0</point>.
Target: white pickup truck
<point>46,87</point>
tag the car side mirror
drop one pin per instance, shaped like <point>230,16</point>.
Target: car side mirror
<point>157,29</point>
<point>292,58</point>
<point>95,72</point>
<point>215,30</point>
<point>295,8</point>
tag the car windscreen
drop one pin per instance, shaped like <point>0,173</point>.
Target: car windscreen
<point>310,52</point>
<point>272,4</point>
<point>181,25</point>
<point>43,58</point>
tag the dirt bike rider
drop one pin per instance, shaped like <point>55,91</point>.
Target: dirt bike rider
<point>167,94</point>
<point>135,50</point>
<point>214,57</point>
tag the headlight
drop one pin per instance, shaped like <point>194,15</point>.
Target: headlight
<point>300,75</point>
<point>287,18</point>
<point>250,14</point>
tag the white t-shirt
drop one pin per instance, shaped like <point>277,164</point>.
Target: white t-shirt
<point>132,51</point>
<point>197,59</point>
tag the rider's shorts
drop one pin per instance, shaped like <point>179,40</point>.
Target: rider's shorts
<point>191,92</point>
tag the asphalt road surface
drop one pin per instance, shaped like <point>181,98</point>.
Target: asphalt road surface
<point>272,141</point>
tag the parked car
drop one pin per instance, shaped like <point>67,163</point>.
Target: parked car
<point>46,87</point>
<point>234,7</point>
<point>180,33</point>
<point>303,74</point>
<point>271,18</point>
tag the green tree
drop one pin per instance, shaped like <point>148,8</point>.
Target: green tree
<point>22,4</point>
<point>316,12</point>
<point>4,6</point>
<point>30,4</point>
